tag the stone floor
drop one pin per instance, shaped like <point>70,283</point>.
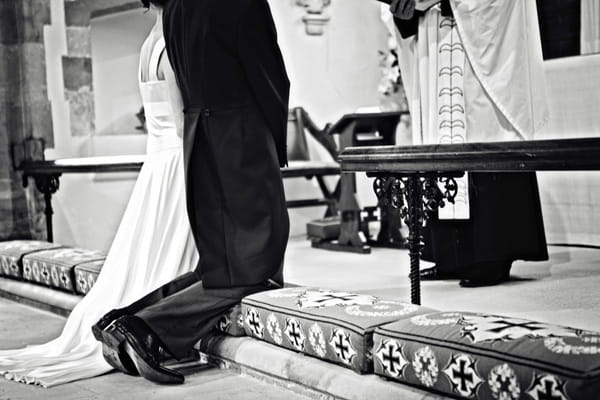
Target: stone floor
<point>563,290</point>
<point>21,324</point>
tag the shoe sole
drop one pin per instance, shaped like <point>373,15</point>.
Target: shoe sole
<point>119,361</point>
<point>112,341</point>
<point>156,374</point>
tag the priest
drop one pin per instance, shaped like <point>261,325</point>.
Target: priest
<point>473,72</point>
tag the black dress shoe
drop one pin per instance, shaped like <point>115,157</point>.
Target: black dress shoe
<point>111,339</point>
<point>140,345</point>
<point>435,274</point>
<point>487,274</point>
<point>105,321</point>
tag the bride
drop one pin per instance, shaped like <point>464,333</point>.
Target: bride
<point>153,244</point>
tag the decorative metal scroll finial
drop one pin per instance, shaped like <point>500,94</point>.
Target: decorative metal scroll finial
<point>315,19</point>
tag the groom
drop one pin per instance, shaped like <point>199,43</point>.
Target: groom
<point>235,90</point>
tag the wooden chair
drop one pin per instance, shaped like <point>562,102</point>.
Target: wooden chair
<point>301,165</point>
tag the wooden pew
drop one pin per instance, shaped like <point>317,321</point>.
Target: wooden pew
<point>407,177</point>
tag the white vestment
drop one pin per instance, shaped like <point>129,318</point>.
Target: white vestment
<point>486,61</point>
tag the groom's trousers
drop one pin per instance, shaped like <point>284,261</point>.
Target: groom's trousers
<point>181,322</point>
<point>185,310</point>
<point>235,89</point>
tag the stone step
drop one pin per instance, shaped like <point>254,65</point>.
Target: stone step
<point>304,374</point>
<point>39,296</point>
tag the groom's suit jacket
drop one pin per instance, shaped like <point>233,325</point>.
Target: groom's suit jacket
<point>235,90</point>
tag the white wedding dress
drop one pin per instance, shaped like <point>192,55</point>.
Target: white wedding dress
<point>152,246</point>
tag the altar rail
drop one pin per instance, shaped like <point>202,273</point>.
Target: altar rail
<point>533,155</point>
<point>407,176</point>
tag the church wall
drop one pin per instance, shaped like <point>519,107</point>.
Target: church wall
<point>337,72</point>
<point>569,199</point>
<point>332,74</point>
<point>88,207</point>
<point>116,40</point>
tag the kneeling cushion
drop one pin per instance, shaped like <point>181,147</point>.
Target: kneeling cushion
<point>86,275</point>
<point>54,268</point>
<point>12,252</point>
<point>471,355</point>
<point>330,325</point>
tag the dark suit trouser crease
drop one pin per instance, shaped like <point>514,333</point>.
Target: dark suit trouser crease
<point>235,198</point>
<point>174,286</point>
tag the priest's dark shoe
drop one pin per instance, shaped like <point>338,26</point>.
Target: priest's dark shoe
<point>487,274</point>
<point>140,345</point>
<point>435,273</point>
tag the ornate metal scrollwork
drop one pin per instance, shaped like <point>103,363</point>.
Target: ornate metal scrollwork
<point>417,196</point>
<point>393,191</point>
<point>433,198</point>
<point>450,188</point>
<point>390,191</point>
<point>398,193</point>
<point>380,187</point>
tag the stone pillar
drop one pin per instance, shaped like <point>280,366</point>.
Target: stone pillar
<point>77,67</point>
<point>24,111</point>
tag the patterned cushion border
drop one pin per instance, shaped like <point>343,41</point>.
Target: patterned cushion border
<point>55,268</point>
<point>86,275</point>
<point>330,325</point>
<point>232,323</point>
<point>470,355</point>
<point>12,253</point>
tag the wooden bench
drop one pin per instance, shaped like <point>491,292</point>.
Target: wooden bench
<point>362,129</point>
<point>407,177</point>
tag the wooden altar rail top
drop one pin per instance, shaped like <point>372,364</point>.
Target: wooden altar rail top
<point>84,165</point>
<point>514,156</point>
<point>134,163</point>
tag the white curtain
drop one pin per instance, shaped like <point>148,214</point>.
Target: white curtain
<point>590,26</point>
